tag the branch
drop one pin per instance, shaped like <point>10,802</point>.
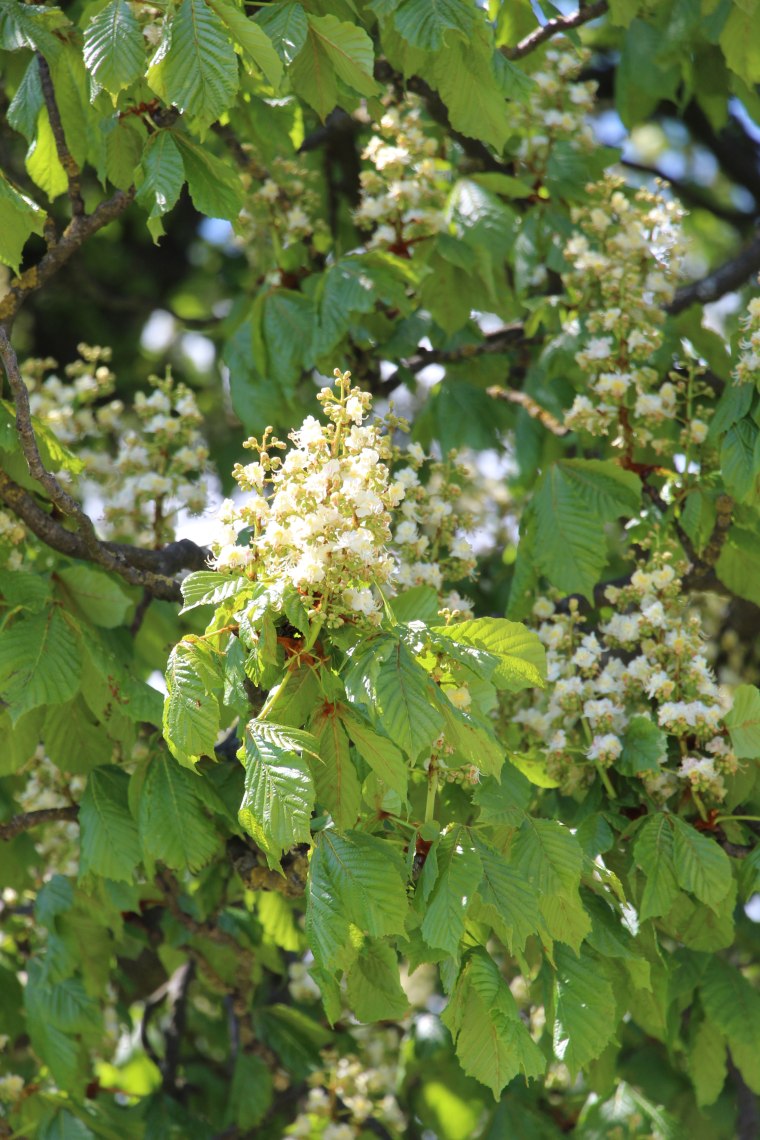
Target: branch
<point>79,229</point>
<point>177,990</point>
<point>28,819</point>
<point>555,27</point>
<point>170,889</point>
<point>692,194</point>
<point>534,409</point>
<point>727,277</point>
<point>65,156</point>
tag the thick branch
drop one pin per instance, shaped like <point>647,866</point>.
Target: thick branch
<point>79,229</point>
<point>65,157</point>
<point>29,819</point>
<point>555,27</point>
<point>731,275</point>
<point>151,569</point>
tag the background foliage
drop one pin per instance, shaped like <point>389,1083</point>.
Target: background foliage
<point>465,894</point>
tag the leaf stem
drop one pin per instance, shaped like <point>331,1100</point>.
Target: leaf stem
<point>432,789</point>
<point>738,818</point>
<point>605,780</point>
<point>700,806</point>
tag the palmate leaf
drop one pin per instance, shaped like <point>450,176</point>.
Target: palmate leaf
<point>20,217</point>
<point>464,77</point>
<point>354,879</point>
<point>191,709</point>
<point>586,1010</point>
<point>161,176</point>
<point>114,47</point>
<point>333,48</point>
<point>509,903</point>
<point>654,854</point>
<point>425,23</point>
<point>549,856</point>
<point>743,722</point>
<point>707,1063</point>
<point>213,185</point>
<point>335,776</point>
<point>492,1043</point>
<point>459,872</point>
<point>94,595</point>
<point>405,702</point>
<point>209,588</point>
<point>279,790</point>
<point>382,755</point>
<point>521,656</point>
<point>731,1003</point>
<point>110,845</point>
<point>171,817</point>
<point>573,500</point>
<point>702,866</point>
<point>373,986</point>
<point>40,662</point>
<point>256,47</point>
<point>195,66</point>
<point>287,27</point>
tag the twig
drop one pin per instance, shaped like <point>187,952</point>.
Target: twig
<point>170,888</point>
<point>731,275</point>
<point>80,228</point>
<point>555,27</point>
<point>29,819</point>
<point>65,157</point>
<point>534,409</point>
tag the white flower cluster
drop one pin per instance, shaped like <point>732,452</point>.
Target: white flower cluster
<point>48,787</point>
<point>428,541</point>
<point>319,517</point>
<point>12,535</point>
<point>747,369</point>
<point>557,109</point>
<point>403,193</point>
<point>323,517</point>
<point>352,1089</point>
<point>647,661</point>
<point>159,468</point>
<point>144,473</point>
<point>281,220</point>
<point>625,262</point>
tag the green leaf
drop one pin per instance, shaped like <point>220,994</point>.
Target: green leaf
<point>382,755</point>
<point>255,45</point>
<point>287,27</point>
<point>654,853</point>
<point>645,747</point>
<point>42,163</point>
<point>504,802</point>
<point>459,872</point>
<point>114,48</point>
<point>287,324</point>
<point>373,986</point>
<point>586,1015</point>
<point>424,23</point>
<point>162,174</point>
<point>333,48</point>
<point>737,459</point>
<point>191,717</point>
<point>195,67</point>
<point>707,1063</point>
<point>94,595</point>
<point>209,588</point>
<point>492,1043</point>
<point>702,867</point>
<point>521,656</point>
<point>279,791</point>
<point>641,81</point>
<point>172,821</point>
<point>214,186</point>
<point>510,903</point>
<point>40,662</point>
<point>250,1094</point>
<point>740,44</point>
<point>27,103</point>
<point>549,856</point>
<point>73,741</point>
<point>405,702</point>
<point>19,218</point>
<point>738,566</point>
<point>354,879</point>
<point>731,1003</point>
<point>743,722</point>
<point>110,845</point>
<point>573,500</point>
<point>335,776</point>
<point>464,77</point>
